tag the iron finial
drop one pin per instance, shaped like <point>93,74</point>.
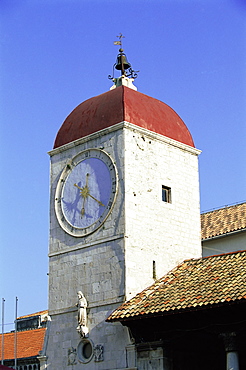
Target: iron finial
<point>122,63</point>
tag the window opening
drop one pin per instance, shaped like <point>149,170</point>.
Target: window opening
<point>154,270</point>
<point>166,194</point>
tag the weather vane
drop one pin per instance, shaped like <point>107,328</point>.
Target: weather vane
<point>120,40</point>
<point>122,63</point>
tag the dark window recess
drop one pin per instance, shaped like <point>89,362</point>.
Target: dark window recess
<point>166,194</point>
<point>87,350</point>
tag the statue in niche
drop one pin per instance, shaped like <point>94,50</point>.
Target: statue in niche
<point>82,315</point>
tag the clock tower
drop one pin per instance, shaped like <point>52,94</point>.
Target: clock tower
<point>124,210</point>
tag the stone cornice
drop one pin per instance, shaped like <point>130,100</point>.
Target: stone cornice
<point>86,245</point>
<point>121,125</point>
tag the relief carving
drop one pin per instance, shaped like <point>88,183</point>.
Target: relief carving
<point>98,352</point>
<point>72,356</point>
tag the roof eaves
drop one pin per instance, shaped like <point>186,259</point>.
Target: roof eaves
<point>229,233</point>
<point>175,311</point>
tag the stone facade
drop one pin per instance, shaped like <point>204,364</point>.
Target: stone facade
<point>142,239</point>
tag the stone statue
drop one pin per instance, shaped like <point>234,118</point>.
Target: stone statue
<point>82,315</point>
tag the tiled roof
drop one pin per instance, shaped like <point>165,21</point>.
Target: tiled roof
<point>34,314</point>
<point>29,343</point>
<point>195,283</point>
<point>223,221</point>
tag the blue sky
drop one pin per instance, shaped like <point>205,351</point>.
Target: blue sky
<point>57,53</point>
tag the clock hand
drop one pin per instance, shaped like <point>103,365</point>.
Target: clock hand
<point>86,184</point>
<point>83,208</point>
<point>85,193</point>
<point>98,201</point>
<point>88,194</point>
<point>77,186</point>
<point>86,181</point>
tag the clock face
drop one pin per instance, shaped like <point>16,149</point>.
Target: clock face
<point>86,192</point>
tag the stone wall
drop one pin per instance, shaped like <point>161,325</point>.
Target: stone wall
<point>159,234</point>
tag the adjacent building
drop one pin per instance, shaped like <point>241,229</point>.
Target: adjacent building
<point>224,230</point>
<point>192,318</point>
<point>23,346</point>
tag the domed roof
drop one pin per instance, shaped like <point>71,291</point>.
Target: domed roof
<point>118,105</point>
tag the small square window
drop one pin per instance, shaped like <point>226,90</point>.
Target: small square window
<point>166,194</point>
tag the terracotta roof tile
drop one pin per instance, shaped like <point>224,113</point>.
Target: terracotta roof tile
<point>194,283</point>
<point>44,312</point>
<point>223,221</point>
<point>29,343</point>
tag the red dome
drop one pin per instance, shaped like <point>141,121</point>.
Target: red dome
<point>122,104</point>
